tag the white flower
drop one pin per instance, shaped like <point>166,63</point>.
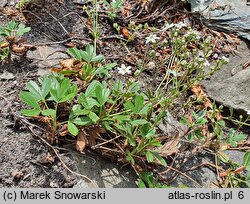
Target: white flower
<point>206,64</point>
<point>193,33</point>
<point>124,70</point>
<point>183,62</point>
<point>208,39</point>
<point>168,26</point>
<point>173,72</point>
<point>248,112</point>
<point>151,65</point>
<point>225,59</point>
<point>151,39</point>
<point>180,25</point>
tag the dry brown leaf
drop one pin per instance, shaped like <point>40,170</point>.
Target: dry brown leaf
<point>245,65</point>
<point>68,63</point>
<point>4,44</point>
<point>199,93</point>
<point>18,49</point>
<point>81,141</point>
<point>93,132</point>
<point>126,10</point>
<point>126,33</point>
<point>170,147</point>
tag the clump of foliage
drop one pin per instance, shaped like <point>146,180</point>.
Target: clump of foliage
<point>9,36</point>
<point>122,116</point>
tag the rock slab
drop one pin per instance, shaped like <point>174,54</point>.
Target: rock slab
<point>232,89</point>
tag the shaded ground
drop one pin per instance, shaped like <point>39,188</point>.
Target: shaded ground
<point>21,154</point>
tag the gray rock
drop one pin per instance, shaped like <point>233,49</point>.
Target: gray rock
<point>235,156</point>
<point>225,15</point>
<point>3,3</point>
<point>103,172</point>
<point>42,72</point>
<point>202,177</point>
<point>47,56</point>
<point>232,91</point>
<point>7,75</point>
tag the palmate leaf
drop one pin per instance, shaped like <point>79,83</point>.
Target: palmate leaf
<point>29,99</point>
<point>90,91</point>
<point>35,90</point>
<point>75,53</point>
<point>63,88</point>
<point>22,29</point>
<point>102,94</point>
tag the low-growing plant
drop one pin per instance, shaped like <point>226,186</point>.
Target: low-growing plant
<point>10,33</point>
<point>113,7</point>
<point>147,180</point>
<point>195,124</point>
<point>90,65</point>
<point>48,98</point>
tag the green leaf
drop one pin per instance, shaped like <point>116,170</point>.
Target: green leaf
<point>35,89</point>
<point>93,117</point>
<point>81,112</point>
<point>149,156</point>
<point>184,121</point>
<point>130,158</point>
<point>68,97</point>
<point>138,122</point>
<point>54,90</point>
<point>248,180</point>
<point>141,184</point>
<point>72,128</point>
<point>240,137</point>
<point>48,112</point>
<point>97,58</point>
<point>246,161</point>
<point>102,94</point>
<point>139,101</point>
<point>90,91</point>
<point>145,110</point>
<point>22,29</point>
<point>82,121</point>
<point>155,143</point>
<point>45,86</point>
<point>121,118</point>
<point>87,103</point>
<point>75,53</point>
<point>29,99</point>
<point>63,88</point>
<point>161,160</point>
<point>129,106</point>
<point>201,121</point>
<point>134,87</point>
<point>31,113</point>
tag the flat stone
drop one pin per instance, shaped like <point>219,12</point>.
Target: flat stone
<point>47,56</point>
<point>229,16</point>
<point>3,3</point>
<point>232,91</point>
<point>202,177</point>
<point>104,173</point>
<point>7,75</point>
